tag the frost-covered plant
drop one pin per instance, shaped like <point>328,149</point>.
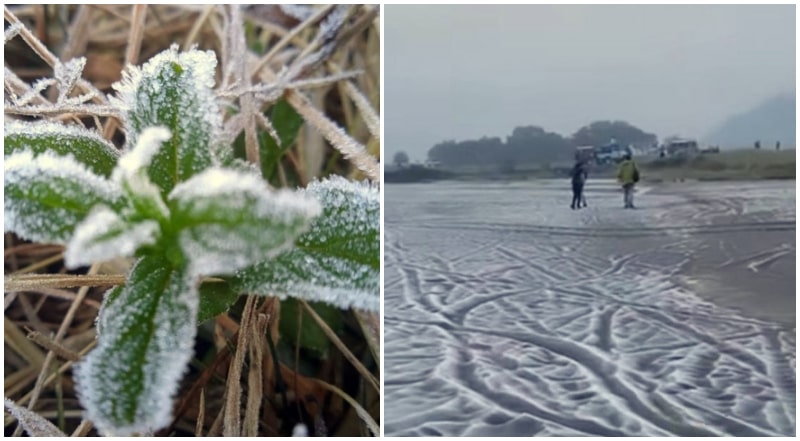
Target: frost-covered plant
<point>178,203</point>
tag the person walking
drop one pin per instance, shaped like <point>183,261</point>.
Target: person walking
<point>628,176</point>
<point>578,175</point>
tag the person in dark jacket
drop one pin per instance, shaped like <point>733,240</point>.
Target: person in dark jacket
<point>579,174</point>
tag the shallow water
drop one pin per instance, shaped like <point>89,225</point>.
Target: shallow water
<point>507,313</point>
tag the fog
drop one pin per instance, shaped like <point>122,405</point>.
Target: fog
<point>462,72</point>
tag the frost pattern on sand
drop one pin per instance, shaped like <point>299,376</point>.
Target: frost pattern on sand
<point>505,315</point>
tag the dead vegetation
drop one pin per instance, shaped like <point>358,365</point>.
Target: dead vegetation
<point>252,375</point>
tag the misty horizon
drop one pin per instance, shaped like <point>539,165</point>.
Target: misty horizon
<point>467,72</point>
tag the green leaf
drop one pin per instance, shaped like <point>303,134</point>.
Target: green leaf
<point>86,147</point>
<point>127,383</point>
<point>47,196</point>
<point>174,90</point>
<point>109,297</point>
<point>145,198</point>
<point>104,235</point>
<point>228,220</point>
<point>287,123</point>
<point>337,261</point>
<point>312,337</point>
<point>215,298</point>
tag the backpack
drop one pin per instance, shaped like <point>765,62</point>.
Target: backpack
<point>635,174</point>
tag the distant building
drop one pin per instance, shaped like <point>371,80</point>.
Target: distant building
<point>585,153</point>
<point>680,147</point>
<point>611,153</point>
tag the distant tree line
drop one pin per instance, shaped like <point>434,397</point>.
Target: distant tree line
<point>533,144</point>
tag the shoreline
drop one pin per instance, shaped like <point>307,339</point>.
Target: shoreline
<point>483,178</point>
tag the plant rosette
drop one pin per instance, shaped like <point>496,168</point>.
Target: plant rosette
<point>176,202</point>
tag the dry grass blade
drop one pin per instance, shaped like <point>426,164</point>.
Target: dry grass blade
<point>32,422</point>
<point>20,379</point>
<point>267,125</point>
<point>232,424</point>
<point>78,33</point>
<point>22,282</point>
<point>349,147</point>
<point>40,264</point>
<point>137,32</point>
<point>362,413</point>
<point>366,20</point>
<point>339,344</point>
<point>323,11</point>
<point>216,426</point>
<point>16,340</point>
<point>44,53</point>
<point>237,62</point>
<point>333,27</point>
<point>27,248</point>
<point>250,134</point>
<point>64,368</point>
<point>198,430</point>
<point>31,314</point>
<point>34,43</point>
<point>305,65</point>
<point>371,118</point>
<point>15,86</point>
<point>371,327</point>
<point>50,345</point>
<point>198,24</point>
<point>83,429</point>
<point>323,81</point>
<point>53,110</point>
<point>64,295</point>
<point>255,376</point>
<point>65,324</point>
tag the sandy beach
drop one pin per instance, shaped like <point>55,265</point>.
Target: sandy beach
<point>507,313</point>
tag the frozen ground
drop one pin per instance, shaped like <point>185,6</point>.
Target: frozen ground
<point>507,313</point>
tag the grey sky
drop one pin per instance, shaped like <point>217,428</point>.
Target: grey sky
<point>462,72</point>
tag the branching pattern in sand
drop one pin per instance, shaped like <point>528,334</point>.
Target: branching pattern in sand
<point>506,313</point>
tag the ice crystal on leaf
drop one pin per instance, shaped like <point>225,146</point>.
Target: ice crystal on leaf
<point>46,196</point>
<point>131,174</point>
<point>104,235</point>
<point>337,260</point>
<point>148,144</point>
<point>169,202</point>
<point>233,220</point>
<point>85,146</point>
<point>127,383</point>
<point>175,90</point>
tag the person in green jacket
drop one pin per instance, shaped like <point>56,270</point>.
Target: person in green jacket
<point>628,176</point>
